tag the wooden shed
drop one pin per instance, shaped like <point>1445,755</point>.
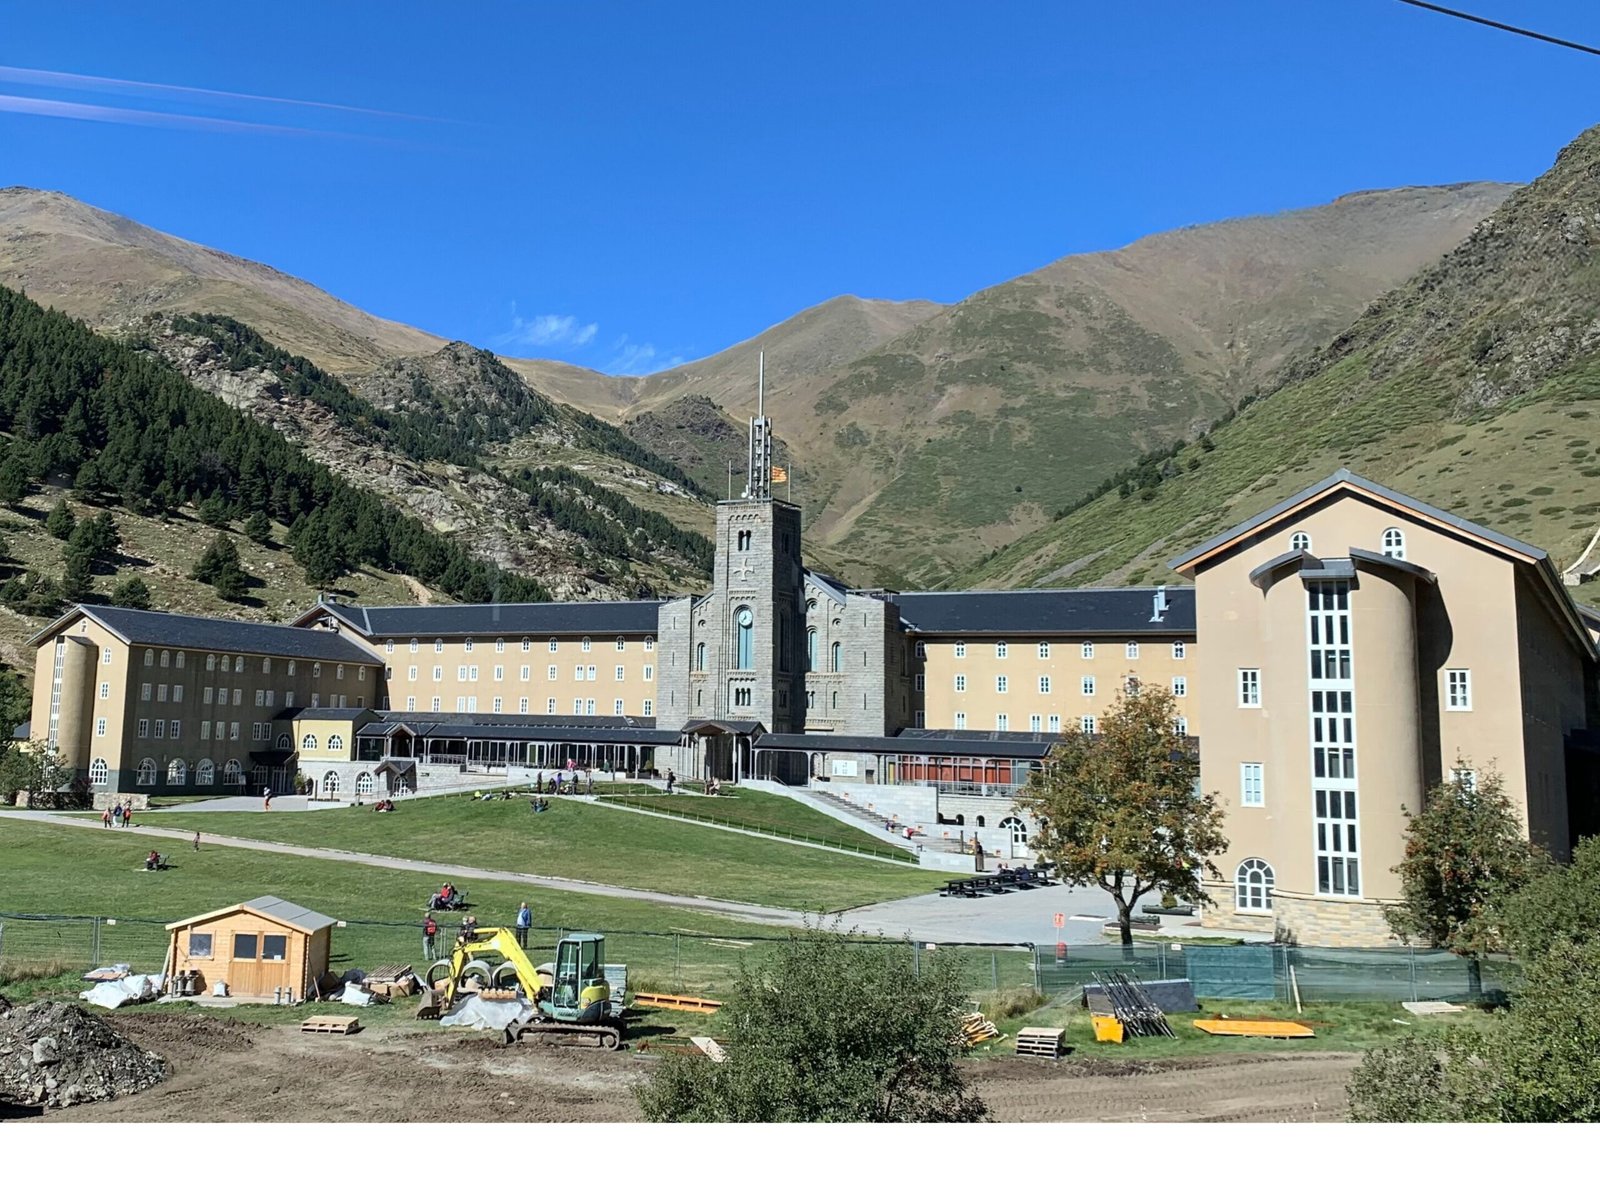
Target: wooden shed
<point>254,947</point>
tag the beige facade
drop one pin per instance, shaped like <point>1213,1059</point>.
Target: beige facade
<point>1046,683</point>
<point>585,675</point>
<point>1358,647</point>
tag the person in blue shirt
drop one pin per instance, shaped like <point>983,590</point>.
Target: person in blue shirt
<point>524,923</point>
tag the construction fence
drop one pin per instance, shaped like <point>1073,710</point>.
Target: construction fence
<point>1273,972</point>
<point>681,961</point>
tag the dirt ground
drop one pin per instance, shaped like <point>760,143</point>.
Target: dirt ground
<point>226,1070</point>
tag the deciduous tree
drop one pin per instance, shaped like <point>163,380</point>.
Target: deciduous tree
<point>1122,809</point>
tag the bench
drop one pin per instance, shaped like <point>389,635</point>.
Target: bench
<point>959,887</point>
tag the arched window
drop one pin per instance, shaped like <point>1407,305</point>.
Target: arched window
<point>744,640</point>
<point>177,772</point>
<point>330,784</point>
<point>205,772</point>
<point>1300,541</point>
<point>1252,885</point>
<point>309,742</point>
<point>811,649</point>
<point>649,644</point>
<point>225,663</point>
<point>742,541</point>
<point>147,773</point>
<point>177,660</point>
<point>1018,832</point>
<point>166,659</point>
<point>980,822</point>
<point>388,645</point>
<point>366,785</point>
<point>1394,544</point>
<point>99,772</point>
<point>700,656</point>
<point>499,645</point>
<point>149,658</point>
<point>316,670</point>
<point>232,772</point>
<point>285,742</point>
<point>211,662</point>
<point>413,646</point>
<point>835,659</point>
<point>335,742</point>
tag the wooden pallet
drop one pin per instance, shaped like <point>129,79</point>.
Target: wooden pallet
<point>678,1003</point>
<point>1040,1041</point>
<point>340,1025</point>
<point>389,973</point>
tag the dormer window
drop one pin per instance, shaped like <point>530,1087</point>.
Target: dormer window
<point>1394,544</point>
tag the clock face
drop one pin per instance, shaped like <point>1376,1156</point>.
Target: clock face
<point>745,618</point>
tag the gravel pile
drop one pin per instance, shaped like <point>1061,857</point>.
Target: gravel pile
<point>55,1055</point>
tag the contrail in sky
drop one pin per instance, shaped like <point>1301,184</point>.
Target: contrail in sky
<point>65,79</point>
<point>73,111</point>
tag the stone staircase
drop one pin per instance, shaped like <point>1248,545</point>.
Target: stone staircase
<point>855,815</point>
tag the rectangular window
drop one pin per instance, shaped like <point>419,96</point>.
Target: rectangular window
<point>649,708</point>
<point>245,946</point>
<point>105,655</point>
<point>1458,690</point>
<point>577,706</point>
<point>1249,687</point>
<point>173,729</point>
<point>588,707</point>
<point>649,672</point>
<point>461,704</point>
<point>161,693</point>
<point>472,674</point>
<point>238,695</point>
<point>961,683</point>
<point>527,673</point>
<point>411,674</point>
<point>551,673</point>
<point>961,720</point>
<point>1035,723</point>
<point>205,731</point>
<point>920,683</point>
<point>435,704</point>
<point>161,729</point>
<point>497,704</point>
<point>577,672</point>
<point>1180,685</point>
<point>461,674</point>
<point>274,947</point>
<point>1088,685</point>
<point>205,696</point>
<point>1086,724</point>
<point>1054,723</point>
<point>550,705</point>
<point>199,945</point>
<point>177,694</point>
<point>620,674</point>
<point>233,731</point>
<point>499,674</point>
<point>1044,685</point>
<point>438,674</point>
<point>105,691</point>
<point>1001,684</point>
<point>616,708</point>
<point>1131,650</point>
<point>288,699</point>
<point>411,704</point>
<point>1465,776</point>
<point>100,727</point>
<point>144,691</point>
<point>1250,793</point>
<point>1002,722</point>
<point>261,697</point>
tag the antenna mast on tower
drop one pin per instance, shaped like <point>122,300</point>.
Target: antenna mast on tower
<point>758,479</point>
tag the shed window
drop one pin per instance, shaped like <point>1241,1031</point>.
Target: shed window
<point>199,945</point>
<point>244,947</point>
<point>274,947</point>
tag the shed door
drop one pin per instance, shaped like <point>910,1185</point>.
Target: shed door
<point>260,964</point>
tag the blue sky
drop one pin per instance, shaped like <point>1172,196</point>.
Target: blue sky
<point>629,185</point>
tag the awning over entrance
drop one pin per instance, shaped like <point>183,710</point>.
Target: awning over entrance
<point>707,726</point>
<point>271,758</point>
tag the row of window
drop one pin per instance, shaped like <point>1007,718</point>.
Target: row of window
<point>1394,543</point>
<point>1003,650</point>
<point>581,706</point>
<point>1050,723</point>
<point>235,663</point>
<point>587,645</point>
<point>205,772</point>
<point>1334,664</point>
<point>1086,685</point>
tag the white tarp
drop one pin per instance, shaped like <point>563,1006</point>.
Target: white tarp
<point>114,993</point>
<point>355,994</point>
<point>474,1012</point>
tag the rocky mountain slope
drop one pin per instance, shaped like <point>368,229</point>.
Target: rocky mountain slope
<point>1475,386</point>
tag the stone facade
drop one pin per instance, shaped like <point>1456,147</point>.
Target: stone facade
<point>1300,919</point>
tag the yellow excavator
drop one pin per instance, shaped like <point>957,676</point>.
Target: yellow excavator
<point>570,997</point>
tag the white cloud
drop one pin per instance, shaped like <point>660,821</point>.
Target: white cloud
<point>547,330</point>
<point>639,358</point>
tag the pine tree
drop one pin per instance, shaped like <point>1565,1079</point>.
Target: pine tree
<point>258,528</point>
<point>213,510</point>
<point>220,567</point>
<point>15,476</point>
<point>131,592</point>
<point>76,577</point>
<point>60,523</point>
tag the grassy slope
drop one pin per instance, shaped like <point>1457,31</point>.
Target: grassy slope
<point>91,871</point>
<point>583,842</point>
<point>1471,387</point>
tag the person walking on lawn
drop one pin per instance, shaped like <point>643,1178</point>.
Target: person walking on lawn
<point>105,818</point>
<point>524,923</point>
<point>197,841</point>
<point>430,934</point>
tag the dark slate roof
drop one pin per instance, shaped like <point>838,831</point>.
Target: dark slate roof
<point>143,628</point>
<point>1377,489</point>
<point>1063,610</point>
<point>502,620</point>
<point>970,744</point>
<point>621,731</point>
<point>22,732</point>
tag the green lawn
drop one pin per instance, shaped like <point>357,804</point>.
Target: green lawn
<point>91,871</point>
<point>747,808</point>
<point>581,841</point>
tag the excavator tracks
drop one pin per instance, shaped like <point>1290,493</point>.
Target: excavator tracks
<point>599,1037</point>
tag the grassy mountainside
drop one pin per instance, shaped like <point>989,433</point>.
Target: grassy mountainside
<point>1474,386</point>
